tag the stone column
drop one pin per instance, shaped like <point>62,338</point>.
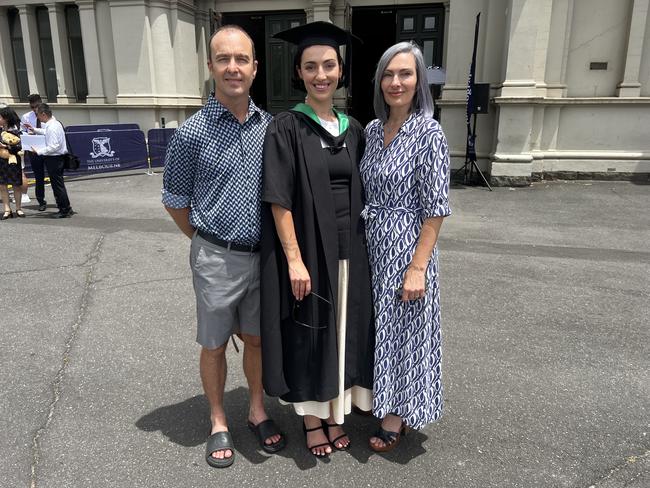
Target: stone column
<point>91,51</point>
<point>202,33</point>
<point>528,31</point>
<point>446,4</point>
<point>32,50</point>
<point>62,64</point>
<point>8,83</point>
<point>133,52</point>
<point>320,10</point>
<point>558,49</point>
<point>522,48</point>
<point>106,52</point>
<point>630,86</point>
<point>162,19</point>
<point>184,51</point>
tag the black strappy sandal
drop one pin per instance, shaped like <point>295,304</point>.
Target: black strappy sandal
<point>324,444</point>
<point>326,428</point>
<point>389,438</point>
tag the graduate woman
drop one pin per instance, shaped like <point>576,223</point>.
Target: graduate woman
<point>405,173</point>
<point>316,324</point>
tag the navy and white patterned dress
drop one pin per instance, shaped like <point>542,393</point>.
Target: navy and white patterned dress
<point>405,183</point>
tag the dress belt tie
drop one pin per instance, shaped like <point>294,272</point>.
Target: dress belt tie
<point>371,210</point>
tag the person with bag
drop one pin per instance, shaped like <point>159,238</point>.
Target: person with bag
<point>10,162</point>
<point>53,155</point>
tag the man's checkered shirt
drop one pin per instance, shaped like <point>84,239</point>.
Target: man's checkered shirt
<point>214,166</point>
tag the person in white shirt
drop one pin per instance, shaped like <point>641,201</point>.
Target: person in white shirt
<point>36,162</point>
<point>52,154</point>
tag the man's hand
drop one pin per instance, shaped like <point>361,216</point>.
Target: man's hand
<point>181,217</point>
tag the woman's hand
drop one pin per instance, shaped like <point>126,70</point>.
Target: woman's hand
<point>414,284</point>
<point>300,280</point>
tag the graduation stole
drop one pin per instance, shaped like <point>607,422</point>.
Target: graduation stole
<point>335,143</point>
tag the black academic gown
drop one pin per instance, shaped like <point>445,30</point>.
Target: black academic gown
<point>298,363</point>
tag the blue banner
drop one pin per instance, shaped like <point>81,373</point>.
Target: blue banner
<point>470,149</point>
<point>158,140</point>
<point>101,127</point>
<point>102,152</point>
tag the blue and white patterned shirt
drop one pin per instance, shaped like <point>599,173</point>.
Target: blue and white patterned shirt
<point>214,166</point>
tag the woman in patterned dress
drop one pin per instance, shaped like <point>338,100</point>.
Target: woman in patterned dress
<point>11,172</point>
<point>405,174</point>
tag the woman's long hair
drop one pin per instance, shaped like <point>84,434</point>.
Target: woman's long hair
<point>11,117</point>
<point>422,99</point>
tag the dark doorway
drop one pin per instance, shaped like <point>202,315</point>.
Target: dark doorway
<point>271,89</point>
<point>380,28</point>
<point>377,29</point>
<point>281,95</point>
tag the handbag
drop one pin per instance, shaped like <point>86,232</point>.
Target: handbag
<point>70,161</point>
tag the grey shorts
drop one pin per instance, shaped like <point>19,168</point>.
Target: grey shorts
<point>227,288</point>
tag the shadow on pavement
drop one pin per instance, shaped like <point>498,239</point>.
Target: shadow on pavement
<point>187,423</point>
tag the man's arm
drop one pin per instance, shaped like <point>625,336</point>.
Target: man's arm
<point>54,140</point>
<point>182,218</point>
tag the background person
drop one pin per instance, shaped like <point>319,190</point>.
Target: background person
<point>405,173</point>
<point>317,334</point>
<point>211,188</point>
<point>11,172</point>
<point>30,119</point>
<point>52,156</point>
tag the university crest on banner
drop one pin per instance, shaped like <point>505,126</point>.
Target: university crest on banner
<point>101,147</point>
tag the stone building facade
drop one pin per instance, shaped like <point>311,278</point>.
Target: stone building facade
<point>569,79</point>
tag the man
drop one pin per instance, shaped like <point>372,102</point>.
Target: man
<point>36,162</point>
<point>212,189</point>
<point>52,156</point>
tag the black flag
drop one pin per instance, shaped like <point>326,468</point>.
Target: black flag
<point>471,137</point>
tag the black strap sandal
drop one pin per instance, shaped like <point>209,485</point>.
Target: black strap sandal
<point>263,431</point>
<point>219,441</point>
<point>389,438</point>
<point>327,426</point>
<point>309,448</point>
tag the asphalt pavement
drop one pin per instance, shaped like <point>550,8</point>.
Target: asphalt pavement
<point>546,350</point>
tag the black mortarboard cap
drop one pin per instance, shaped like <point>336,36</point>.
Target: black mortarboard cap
<point>321,34</point>
<point>317,34</point>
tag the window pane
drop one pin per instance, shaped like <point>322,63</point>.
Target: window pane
<point>47,53</point>
<point>74,25</point>
<point>43,23</point>
<point>277,75</point>
<point>18,52</point>
<point>427,52</point>
<point>429,23</point>
<point>408,24</point>
<point>77,59</point>
<point>276,26</point>
<point>78,69</point>
<point>49,69</point>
